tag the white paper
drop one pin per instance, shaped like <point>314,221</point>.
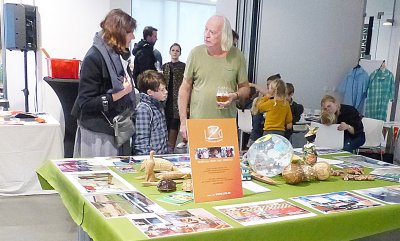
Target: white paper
<point>330,161</point>
<point>328,136</point>
<point>254,187</point>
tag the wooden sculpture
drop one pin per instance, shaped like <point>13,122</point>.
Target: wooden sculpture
<point>149,168</point>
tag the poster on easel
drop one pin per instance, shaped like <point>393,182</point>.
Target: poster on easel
<point>215,161</point>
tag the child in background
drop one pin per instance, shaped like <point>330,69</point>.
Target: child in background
<point>278,114</point>
<point>151,126</point>
<point>328,118</point>
<point>258,117</point>
<point>297,109</point>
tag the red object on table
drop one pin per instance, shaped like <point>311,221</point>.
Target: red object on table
<point>63,68</point>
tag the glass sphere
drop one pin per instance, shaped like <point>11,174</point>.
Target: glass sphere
<point>269,155</point>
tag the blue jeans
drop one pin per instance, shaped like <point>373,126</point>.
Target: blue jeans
<point>352,142</point>
<point>258,126</point>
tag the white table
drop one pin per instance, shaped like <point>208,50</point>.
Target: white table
<point>23,148</point>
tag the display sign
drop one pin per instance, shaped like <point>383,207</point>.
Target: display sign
<point>214,156</point>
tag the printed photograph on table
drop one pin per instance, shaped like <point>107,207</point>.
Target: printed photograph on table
<point>348,165</point>
<point>336,202</point>
<point>125,169</point>
<point>177,198</point>
<point>389,174</point>
<point>389,194</point>
<point>364,161</point>
<point>329,151</point>
<point>182,162</point>
<point>72,165</point>
<point>264,212</point>
<point>99,182</point>
<point>177,222</point>
<point>122,204</point>
<point>177,158</point>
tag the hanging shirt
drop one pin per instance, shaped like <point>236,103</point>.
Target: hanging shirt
<point>354,88</point>
<point>380,91</point>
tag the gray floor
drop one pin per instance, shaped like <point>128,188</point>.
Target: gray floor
<point>35,218</point>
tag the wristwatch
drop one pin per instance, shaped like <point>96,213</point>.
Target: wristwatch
<point>104,101</point>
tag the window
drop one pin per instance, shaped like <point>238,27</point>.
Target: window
<point>177,21</point>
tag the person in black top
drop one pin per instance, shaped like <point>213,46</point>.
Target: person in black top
<point>173,74</point>
<point>349,120</point>
<point>297,109</point>
<point>104,89</point>
<point>144,52</point>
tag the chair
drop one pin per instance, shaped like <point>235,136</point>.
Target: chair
<point>373,129</point>
<point>244,119</point>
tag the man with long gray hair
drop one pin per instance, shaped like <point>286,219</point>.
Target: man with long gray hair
<point>209,67</point>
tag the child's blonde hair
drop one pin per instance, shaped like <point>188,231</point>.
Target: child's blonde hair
<point>279,88</point>
<point>328,118</point>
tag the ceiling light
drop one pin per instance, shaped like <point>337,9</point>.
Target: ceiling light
<point>388,22</point>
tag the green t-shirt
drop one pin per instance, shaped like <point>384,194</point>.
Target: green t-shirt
<point>208,73</point>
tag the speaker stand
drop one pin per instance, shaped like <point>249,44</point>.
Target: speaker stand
<point>26,90</point>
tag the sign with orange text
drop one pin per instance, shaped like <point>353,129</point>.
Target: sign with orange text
<point>214,157</point>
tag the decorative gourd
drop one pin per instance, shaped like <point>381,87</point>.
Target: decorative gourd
<point>322,170</point>
<point>293,173</point>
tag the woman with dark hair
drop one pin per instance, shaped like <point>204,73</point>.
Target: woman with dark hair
<point>349,120</point>
<point>105,90</point>
<point>173,74</point>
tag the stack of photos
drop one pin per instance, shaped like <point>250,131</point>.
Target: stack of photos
<point>364,161</point>
<point>177,198</point>
<point>389,194</point>
<point>182,162</point>
<point>74,165</point>
<point>348,165</point>
<point>124,168</point>
<point>389,174</point>
<point>264,212</point>
<point>122,204</point>
<point>328,151</point>
<point>99,182</point>
<point>336,202</point>
<point>177,222</point>
<point>320,151</point>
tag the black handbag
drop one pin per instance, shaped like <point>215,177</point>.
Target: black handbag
<point>123,126</point>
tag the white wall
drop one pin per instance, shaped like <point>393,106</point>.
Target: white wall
<point>228,9</point>
<point>311,43</point>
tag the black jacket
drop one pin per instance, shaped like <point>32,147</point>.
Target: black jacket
<point>144,58</point>
<point>352,117</point>
<point>94,82</point>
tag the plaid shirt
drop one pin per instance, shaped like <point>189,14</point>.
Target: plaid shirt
<point>380,91</point>
<point>151,127</point>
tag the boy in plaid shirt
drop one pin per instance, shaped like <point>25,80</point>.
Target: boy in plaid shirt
<point>151,127</point>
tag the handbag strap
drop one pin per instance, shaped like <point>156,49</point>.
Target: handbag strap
<point>109,122</point>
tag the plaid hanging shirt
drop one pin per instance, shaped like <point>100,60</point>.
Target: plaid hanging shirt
<point>380,91</point>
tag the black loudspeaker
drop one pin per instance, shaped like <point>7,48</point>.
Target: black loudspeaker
<point>20,26</point>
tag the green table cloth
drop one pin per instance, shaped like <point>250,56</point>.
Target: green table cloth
<point>338,226</point>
